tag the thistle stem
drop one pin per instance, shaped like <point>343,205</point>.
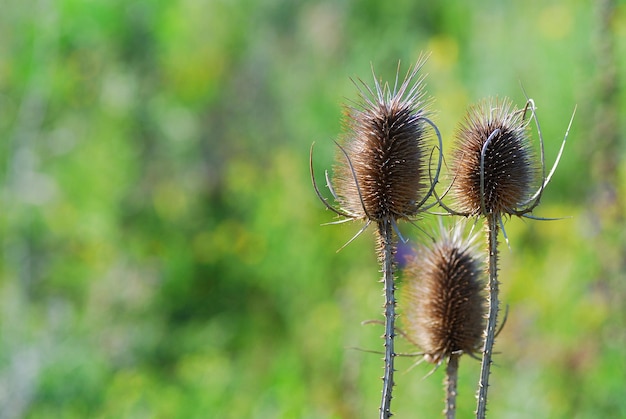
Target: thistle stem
<point>483,385</point>
<point>387,248</point>
<point>450,382</point>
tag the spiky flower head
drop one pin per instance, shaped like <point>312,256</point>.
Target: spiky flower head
<point>382,170</point>
<point>493,163</point>
<point>443,302</point>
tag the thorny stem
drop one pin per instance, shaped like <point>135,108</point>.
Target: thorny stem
<point>492,233</point>
<point>452,376</point>
<point>387,249</point>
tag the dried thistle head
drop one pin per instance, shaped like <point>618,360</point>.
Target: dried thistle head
<point>493,162</point>
<point>383,161</point>
<point>444,306</point>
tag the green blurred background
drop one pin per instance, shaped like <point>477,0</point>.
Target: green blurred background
<point>162,254</point>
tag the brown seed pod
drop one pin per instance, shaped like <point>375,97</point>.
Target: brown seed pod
<point>493,163</point>
<point>382,170</point>
<point>443,302</point>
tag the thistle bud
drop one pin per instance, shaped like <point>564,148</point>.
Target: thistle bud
<point>382,165</point>
<point>493,162</point>
<point>443,302</point>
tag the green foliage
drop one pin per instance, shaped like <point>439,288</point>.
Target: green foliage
<point>162,251</point>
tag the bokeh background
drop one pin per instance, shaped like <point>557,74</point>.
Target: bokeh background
<point>162,254</point>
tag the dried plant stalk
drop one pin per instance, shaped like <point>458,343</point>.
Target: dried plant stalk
<point>383,175</point>
<point>387,250</point>
<point>494,169</point>
<point>451,380</point>
<point>444,304</point>
<point>491,225</point>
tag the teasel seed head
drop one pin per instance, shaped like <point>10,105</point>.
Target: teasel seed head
<point>493,163</point>
<point>444,305</point>
<point>382,171</point>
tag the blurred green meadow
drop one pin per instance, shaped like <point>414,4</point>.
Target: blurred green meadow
<point>162,254</point>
